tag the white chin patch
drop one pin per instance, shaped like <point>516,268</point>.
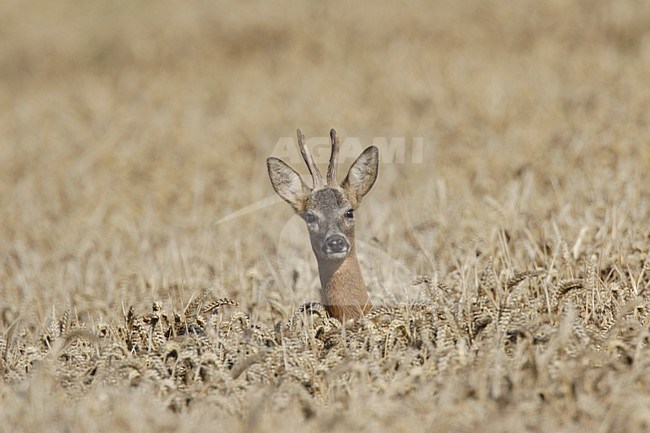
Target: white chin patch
<point>337,256</point>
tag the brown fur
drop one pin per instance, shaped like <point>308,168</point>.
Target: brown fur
<point>342,288</point>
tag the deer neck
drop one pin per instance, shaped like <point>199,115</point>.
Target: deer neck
<point>343,290</point>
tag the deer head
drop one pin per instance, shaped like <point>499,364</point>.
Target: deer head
<point>328,209</point>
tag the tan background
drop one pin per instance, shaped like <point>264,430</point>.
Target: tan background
<point>129,129</point>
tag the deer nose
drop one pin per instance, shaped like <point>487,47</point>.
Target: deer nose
<point>335,244</point>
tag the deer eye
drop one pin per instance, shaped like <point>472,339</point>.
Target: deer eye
<point>310,218</point>
<point>349,214</point>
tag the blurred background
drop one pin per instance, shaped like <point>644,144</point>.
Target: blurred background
<point>129,130</point>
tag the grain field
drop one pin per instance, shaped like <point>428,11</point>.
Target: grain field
<point>150,280</point>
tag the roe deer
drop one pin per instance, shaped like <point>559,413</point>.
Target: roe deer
<point>328,209</point>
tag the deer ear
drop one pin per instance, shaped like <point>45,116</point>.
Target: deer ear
<point>288,184</point>
<point>362,175</point>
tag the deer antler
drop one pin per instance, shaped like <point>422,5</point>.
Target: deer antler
<point>334,159</point>
<point>313,170</point>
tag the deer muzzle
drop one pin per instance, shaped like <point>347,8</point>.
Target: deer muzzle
<point>336,246</point>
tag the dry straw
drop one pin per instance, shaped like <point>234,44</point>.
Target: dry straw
<point>508,265</point>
